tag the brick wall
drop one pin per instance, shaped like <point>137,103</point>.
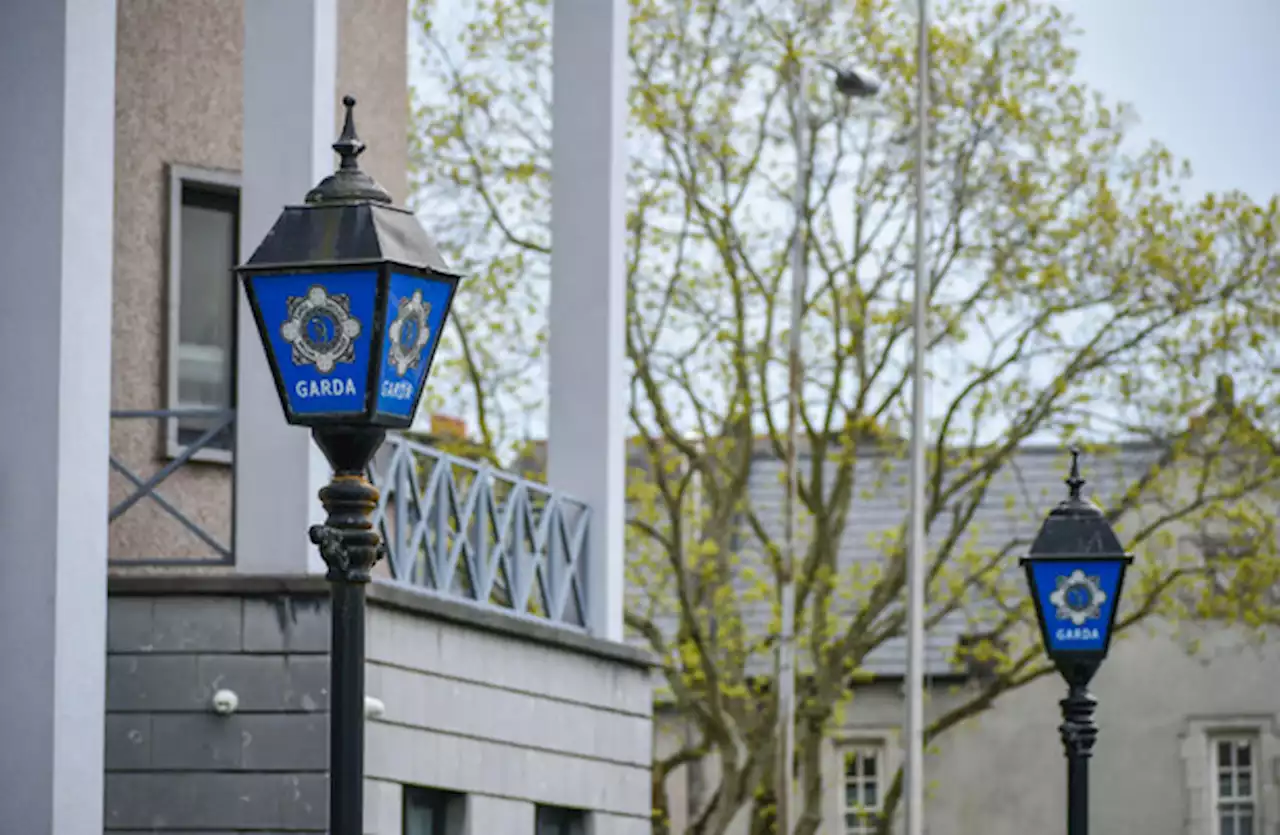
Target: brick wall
<point>174,765</point>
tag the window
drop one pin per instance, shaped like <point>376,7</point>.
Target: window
<point>552,820</point>
<point>1224,756</point>
<point>1235,797</point>
<point>204,222</point>
<point>431,811</point>
<point>863,771</point>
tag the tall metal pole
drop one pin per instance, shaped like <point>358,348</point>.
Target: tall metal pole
<point>916,555</point>
<point>787,640</point>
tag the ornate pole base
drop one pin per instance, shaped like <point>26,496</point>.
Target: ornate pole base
<point>350,548</point>
<point>1079,732</point>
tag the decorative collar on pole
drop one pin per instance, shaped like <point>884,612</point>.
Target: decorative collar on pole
<point>349,183</point>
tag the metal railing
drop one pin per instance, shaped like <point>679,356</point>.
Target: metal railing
<point>465,529</point>
<point>210,431</point>
<point>452,526</point>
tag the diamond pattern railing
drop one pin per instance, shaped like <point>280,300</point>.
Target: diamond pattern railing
<point>465,529</point>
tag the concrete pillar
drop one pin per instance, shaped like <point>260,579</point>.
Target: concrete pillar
<point>586,434</point>
<point>290,61</point>
<point>57,171</point>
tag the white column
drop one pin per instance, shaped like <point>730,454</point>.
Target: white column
<point>290,63</point>
<point>56,172</point>
<point>586,436</point>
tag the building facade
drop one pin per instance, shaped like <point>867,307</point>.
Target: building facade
<point>176,675</point>
<point>166,613</point>
<point>1188,713</point>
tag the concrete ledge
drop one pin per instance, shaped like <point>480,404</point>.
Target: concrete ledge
<point>381,593</point>
<point>171,582</point>
<point>406,598</point>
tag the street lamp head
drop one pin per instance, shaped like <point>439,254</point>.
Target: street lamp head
<point>1075,571</point>
<point>350,295</point>
<point>853,84</point>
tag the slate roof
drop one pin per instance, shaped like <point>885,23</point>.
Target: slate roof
<point>1020,495</point>
<point>1015,504</point>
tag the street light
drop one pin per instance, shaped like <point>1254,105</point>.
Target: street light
<point>350,295</point>
<point>850,84</point>
<point>1076,572</point>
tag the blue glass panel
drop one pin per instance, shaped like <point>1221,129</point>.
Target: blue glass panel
<point>415,315</point>
<point>1076,597</point>
<point>319,326</point>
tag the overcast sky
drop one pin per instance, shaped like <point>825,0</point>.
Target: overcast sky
<point>1204,77</point>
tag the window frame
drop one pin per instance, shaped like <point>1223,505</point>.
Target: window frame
<point>214,180</point>
<point>860,747</point>
<point>1216,801</point>
<point>446,808</point>
<point>1199,734</point>
<point>574,820</point>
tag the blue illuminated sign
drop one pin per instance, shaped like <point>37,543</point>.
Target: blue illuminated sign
<point>319,328</point>
<point>1076,600</point>
<point>415,313</point>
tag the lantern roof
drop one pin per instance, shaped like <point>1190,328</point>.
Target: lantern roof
<point>347,218</point>
<point>1076,527</point>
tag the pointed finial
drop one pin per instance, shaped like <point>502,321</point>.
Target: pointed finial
<point>348,184</point>
<point>349,145</point>
<point>1074,481</point>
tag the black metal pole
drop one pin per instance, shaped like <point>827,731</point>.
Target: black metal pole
<point>350,548</point>
<point>346,703</point>
<point>1078,736</point>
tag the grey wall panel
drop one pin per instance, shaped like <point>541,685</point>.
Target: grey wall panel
<point>510,716</point>
<point>172,764</point>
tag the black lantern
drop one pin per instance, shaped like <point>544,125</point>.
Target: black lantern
<point>1076,573</point>
<point>350,296</point>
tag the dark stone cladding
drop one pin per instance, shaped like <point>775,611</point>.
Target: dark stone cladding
<point>174,765</point>
<point>389,595</point>
<point>174,639</point>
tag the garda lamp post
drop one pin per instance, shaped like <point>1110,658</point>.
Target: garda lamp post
<point>350,295</point>
<point>1076,572</point>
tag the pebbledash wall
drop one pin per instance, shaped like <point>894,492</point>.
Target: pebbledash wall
<point>497,713</point>
<point>180,105</point>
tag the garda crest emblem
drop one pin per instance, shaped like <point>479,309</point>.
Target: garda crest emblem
<point>1078,598</point>
<point>321,329</point>
<point>409,333</point>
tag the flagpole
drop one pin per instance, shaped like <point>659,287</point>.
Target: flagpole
<point>917,553</point>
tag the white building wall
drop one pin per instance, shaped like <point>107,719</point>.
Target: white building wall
<point>509,713</point>
<point>1003,771</point>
